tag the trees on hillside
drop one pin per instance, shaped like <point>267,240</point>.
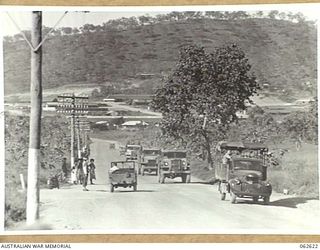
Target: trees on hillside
<point>199,100</point>
<point>303,125</point>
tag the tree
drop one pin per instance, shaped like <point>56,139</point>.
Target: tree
<point>303,125</point>
<point>199,100</point>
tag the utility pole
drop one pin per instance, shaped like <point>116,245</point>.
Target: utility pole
<point>33,196</point>
<point>72,162</point>
<point>82,126</point>
<point>78,138</point>
<point>73,105</point>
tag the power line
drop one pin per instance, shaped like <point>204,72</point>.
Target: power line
<point>45,37</point>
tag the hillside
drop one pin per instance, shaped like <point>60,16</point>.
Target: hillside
<point>282,53</point>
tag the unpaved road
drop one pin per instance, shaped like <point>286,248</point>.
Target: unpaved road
<point>166,207</point>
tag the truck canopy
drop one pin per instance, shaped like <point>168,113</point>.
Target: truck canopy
<point>242,146</point>
<point>175,153</point>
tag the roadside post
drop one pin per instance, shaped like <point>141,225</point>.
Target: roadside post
<point>33,194</point>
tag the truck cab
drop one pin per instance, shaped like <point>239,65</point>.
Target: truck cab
<point>174,163</point>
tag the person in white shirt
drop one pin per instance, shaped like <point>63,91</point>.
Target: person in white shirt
<point>85,174</point>
<point>113,168</point>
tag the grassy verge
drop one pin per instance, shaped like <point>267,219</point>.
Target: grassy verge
<point>53,148</point>
<point>298,172</point>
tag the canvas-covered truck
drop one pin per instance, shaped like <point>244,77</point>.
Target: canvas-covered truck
<point>123,174</point>
<point>150,159</point>
<point>174,163</point>
<point>243,171</point>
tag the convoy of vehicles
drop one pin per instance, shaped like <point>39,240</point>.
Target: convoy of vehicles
<point>243,172</point>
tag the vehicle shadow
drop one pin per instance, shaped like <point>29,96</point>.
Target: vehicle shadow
<point>125,191</point>
<point>292,202</point>
<point>192,182</point>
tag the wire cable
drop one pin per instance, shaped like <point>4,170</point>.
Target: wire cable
<point>45,37</point>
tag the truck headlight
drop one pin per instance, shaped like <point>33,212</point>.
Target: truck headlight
<point>166,164</point>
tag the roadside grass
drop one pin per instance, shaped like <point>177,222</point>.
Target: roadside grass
<point>298,172</point>
<point>15,209</point>
<point>53,149</point>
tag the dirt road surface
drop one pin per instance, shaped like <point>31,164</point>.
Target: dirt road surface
<point>170,207</point>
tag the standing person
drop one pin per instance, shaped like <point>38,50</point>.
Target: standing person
<point>64,167</point>
<point>74,176</point>
<point>79,171</point>
<point>92,171</point>
<point>85,168</point>
<point>226,158</point>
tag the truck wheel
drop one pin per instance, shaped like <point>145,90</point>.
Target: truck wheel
<point>183,178</point>
<point>266,200</point>
<point>135,187</point>
<point>111,188</point>
<point>162,177</point>
<point>255,199</point>
<point>188,178</point>
<point>223,196</point>
<point>233,198</point>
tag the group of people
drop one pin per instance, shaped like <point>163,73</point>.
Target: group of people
<point>82,172</point>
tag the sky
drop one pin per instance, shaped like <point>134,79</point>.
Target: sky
<point>22,15</point>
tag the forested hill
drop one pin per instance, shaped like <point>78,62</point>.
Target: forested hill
<point>283,53</point>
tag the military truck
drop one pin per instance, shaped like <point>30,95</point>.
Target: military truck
<point>174,163</point>
<point>150,159</point>
<point>133,153</point>
<point>243,172</point>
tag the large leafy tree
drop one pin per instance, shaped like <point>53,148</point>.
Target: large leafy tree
<point>200,99</point>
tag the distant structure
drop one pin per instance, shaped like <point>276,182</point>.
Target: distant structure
<point>136,99</point>
<point>133,125</point>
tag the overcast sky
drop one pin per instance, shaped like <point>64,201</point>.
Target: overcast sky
<point>98,15</point>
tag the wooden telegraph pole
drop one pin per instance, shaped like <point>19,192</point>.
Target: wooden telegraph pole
<point>33,197</point>
<point>73,105</point>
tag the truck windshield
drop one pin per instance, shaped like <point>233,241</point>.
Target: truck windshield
<point>175,154</point>
<point>248,165</point>
<point>151,152</point>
